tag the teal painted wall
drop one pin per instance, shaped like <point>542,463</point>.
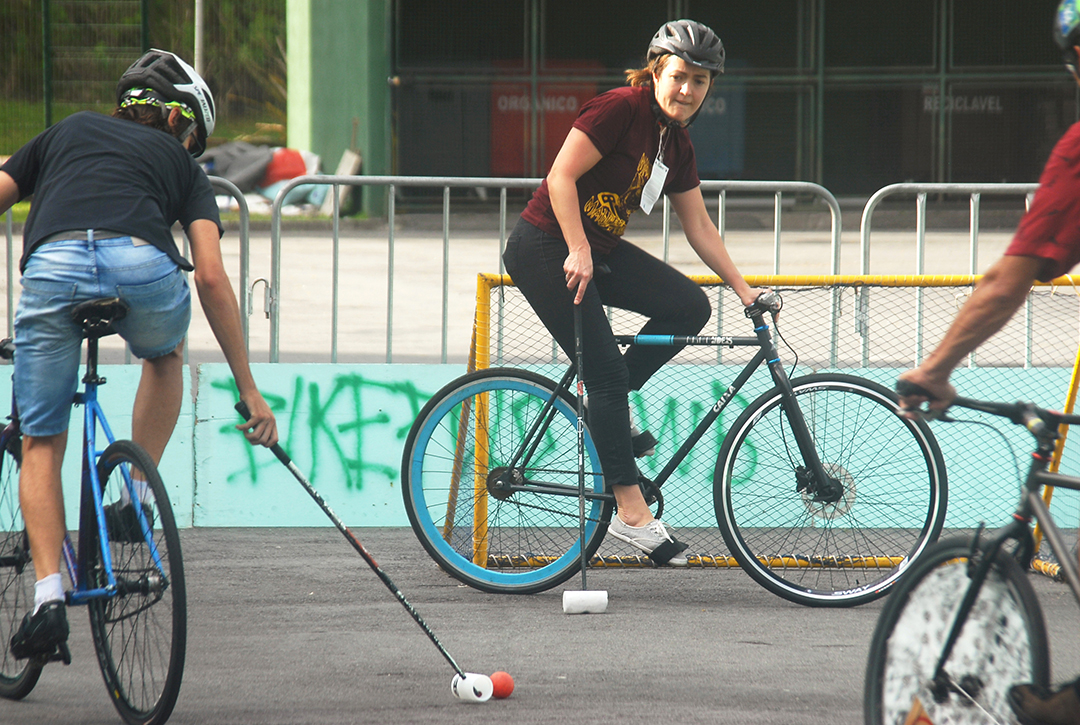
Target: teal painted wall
<point>338,64</point>
<point>345,427</point>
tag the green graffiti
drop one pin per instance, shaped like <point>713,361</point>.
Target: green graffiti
<point>673,429</point>
<point>277,405</point>
<point>335,424</point>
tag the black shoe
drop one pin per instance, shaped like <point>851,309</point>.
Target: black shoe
<point>43,633</point>
<point>643,441</point>
<point>1036,705</point>
<point>122,523</point>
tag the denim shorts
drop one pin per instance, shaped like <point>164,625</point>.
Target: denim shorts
<point>62,274</point>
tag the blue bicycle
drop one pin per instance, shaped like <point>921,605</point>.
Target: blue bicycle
<point>125,564</point>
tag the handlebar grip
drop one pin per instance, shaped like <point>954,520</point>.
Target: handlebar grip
<point>1035,424</point>
<point>769,300</point>
<point>766,302</point>
<point>905,388</point>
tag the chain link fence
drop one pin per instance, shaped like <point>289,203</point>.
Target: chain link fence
<point>841,328</point>
<point>63,56</point>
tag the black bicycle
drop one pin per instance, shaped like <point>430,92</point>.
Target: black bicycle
<point>964,624</point>
<point>824,495</point>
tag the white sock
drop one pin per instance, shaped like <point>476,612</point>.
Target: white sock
<point>142,489</point>
<point>49,589</point>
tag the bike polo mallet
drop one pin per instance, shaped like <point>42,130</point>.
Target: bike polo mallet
<point>467,686</point>
<point>584,601</point>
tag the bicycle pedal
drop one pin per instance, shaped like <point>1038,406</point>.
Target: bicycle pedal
<point>644,443</point>
<point>650,491</point>
<point>61,654</point>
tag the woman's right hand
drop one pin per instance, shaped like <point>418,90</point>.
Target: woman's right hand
<point>261,427</point>
<point>579,270</point>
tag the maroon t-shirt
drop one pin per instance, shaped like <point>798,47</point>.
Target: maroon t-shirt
<point>624,129</point>
<point>1050,229</point>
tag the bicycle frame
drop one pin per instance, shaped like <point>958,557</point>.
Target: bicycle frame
<point>1019,529</point>
<point>91,506</point>
<point>767,353</point>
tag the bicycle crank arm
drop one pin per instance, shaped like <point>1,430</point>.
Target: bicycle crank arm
<point>558,489</point>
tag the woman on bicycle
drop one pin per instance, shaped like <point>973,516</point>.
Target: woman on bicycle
<point>627,147</point>
<point>107,191</point>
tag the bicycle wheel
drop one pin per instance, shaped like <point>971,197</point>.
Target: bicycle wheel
<point>846,544</point>
<point>140,634</point>
<point>17,677</point>
<point>490,526</point>
<point>1003,642</point>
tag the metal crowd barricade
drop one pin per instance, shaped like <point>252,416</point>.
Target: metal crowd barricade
<point>219,184</point>
<point>975,191</point>
<point>392,182</point>
<point>777,188</point>
<point>232,190</point>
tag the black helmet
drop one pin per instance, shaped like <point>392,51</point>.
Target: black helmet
<point>695,43</point>
<point>171,80</point>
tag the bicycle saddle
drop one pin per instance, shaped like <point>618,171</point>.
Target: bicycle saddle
<point>96,317</point>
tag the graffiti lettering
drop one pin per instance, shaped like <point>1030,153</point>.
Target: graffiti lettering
<point>331,427</point>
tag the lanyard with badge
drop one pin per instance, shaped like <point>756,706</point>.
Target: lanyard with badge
<point>655,185</point>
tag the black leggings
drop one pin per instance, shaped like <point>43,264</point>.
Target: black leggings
<point>637,281</point>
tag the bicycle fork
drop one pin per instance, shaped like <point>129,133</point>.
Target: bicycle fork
<point>811,478</point>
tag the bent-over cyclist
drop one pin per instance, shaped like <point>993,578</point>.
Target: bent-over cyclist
<point>106,193</point>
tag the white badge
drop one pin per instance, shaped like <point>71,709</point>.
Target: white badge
<point>654,186</point>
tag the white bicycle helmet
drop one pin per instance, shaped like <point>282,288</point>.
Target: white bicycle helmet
<point>161,78</point>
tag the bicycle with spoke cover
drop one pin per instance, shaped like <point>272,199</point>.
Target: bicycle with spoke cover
<point>125,565</point>
<point>823,494</point>
<point>965,625</point>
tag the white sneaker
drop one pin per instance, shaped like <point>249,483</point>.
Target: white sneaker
<point>647,538</point>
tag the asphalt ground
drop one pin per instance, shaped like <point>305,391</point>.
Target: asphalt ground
<point>291,626</point>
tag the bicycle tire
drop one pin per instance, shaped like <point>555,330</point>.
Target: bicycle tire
<point>890,505</point>
<point>1003,642</point>
<point>140,634</point>
<point>17,677</point>
<point>521,542</point>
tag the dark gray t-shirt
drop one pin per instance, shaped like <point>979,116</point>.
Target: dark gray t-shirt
<point>91,171</point>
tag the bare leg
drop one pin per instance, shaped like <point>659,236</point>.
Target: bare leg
<point>42,500</point>
<point>157,402</point>
<point>632,507</point>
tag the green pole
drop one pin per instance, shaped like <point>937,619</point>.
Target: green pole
<point>145,12</point>
<point>46,59</point>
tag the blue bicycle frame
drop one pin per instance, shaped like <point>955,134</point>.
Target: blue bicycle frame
<point>91,507</point>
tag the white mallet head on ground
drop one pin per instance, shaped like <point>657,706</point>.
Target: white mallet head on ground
<point>586,602</point>
<point>472,688</point>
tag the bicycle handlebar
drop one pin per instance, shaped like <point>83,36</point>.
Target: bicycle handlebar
<point>770,302</point>
<point>1038,421</point>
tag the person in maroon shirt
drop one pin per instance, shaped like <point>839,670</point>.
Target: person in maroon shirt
<point>1046,245</point>
<point>627,147</point>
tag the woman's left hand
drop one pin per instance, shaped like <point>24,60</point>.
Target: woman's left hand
<point>751,295</point>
